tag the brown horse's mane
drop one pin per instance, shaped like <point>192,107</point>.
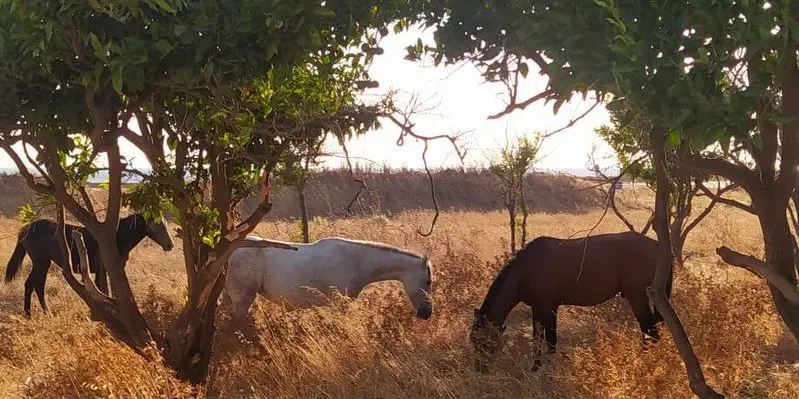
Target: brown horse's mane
<point>535,247</point>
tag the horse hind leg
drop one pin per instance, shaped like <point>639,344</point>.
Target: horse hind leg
<point>39,287</point>
<point>35,282</point>
<point>240,302</point>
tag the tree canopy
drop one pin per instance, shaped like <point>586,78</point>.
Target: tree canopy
<point>215,94</point>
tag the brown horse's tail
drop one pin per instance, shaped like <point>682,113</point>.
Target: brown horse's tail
<point>669,281</point>
<point>16,258</point>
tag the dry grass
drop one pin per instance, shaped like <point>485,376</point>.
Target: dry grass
<point>374,347</point>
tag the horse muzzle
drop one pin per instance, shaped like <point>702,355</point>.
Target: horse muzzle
<point>425,311</point>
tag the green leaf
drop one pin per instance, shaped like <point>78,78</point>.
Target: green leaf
<point>524,69</point>
<point>116,80</point>
<point>325,12</point>
<point>163,46</point>
<point>558,103</point>
<point>673,138</point>
<point>164,5</point>
<point>95,42</point>
<point>180,29</point>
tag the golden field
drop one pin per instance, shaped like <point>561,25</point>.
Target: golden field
<point>374,347</point>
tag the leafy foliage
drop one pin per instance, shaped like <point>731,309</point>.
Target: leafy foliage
<point>26,214</point>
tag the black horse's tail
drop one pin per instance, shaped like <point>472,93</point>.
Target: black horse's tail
<point>16,258</point>
<point>669,282</point>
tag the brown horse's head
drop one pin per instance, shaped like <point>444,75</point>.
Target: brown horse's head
<point>487,340</point>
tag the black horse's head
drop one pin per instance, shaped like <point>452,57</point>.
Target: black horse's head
<point>158,231</point>
<point>487,340</point>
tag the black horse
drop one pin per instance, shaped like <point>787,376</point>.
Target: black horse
<point>38,240</point>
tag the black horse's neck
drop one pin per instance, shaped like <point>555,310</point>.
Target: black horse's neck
<point>504,293</point>
<point>131,232</point>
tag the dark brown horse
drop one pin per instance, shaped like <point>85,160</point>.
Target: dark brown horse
<point>549,272</point>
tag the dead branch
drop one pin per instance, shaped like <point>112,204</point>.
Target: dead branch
<point>23,170</point>
<point>91,288</point>
<point>713,201</point>
<point>522,105</point>
<point>762,270</point>
<point>406,130</point>
<point>361,183</point>
<point>573,121</point>
<point>87,291</point>
<point>726,201</point>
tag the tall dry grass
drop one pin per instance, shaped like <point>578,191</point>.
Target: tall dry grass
<point>374,346</point>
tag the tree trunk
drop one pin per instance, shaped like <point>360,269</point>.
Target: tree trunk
<point>191,340</point>
<point>779,246</point>
<point>306,235</point>
<point>512,225</point>
<point>657,292</point>
<point>677,241</point>
<point>525,212</point>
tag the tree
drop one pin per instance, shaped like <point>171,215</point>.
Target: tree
<point>514,164</point>
<point>296,174</point>
<point>215,94</point>
<point>717,78</point>
<point>629,138</point>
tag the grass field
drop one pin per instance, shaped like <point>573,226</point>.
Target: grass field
<point>374,346</point>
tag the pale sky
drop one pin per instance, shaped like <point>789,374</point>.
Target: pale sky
<point>460,101</point>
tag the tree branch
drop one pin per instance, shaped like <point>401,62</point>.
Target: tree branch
<point>760,269</point>
<point>522,105</point>
<point>726,201</point>
<point>573,121</point>
<point>738,174</point>
<point>23,170</point>
<point>91,288</point>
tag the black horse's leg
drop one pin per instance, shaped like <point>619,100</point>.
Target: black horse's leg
<point>551,324</point>
<point>539,331</point>
<point>29,283</point>
<point>639,302</point>
<point>38,273</point>
<point>39,284</point>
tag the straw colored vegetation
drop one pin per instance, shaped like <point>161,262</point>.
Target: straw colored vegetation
<point>374,346</point>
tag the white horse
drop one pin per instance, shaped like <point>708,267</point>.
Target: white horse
<point>348,266</point>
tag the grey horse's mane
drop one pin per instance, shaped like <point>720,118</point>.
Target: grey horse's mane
<point>379,245</point>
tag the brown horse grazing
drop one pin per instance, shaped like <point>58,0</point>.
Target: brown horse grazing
<point>549,272</point>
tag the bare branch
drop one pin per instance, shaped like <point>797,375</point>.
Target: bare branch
<point>91,288</point>
<point>714,200</point>
<point>726,201</point>
<point>23,170</point>
<point>522,105</point>
<point>406,129</point>
<point>573,121</point>
<point>760,269</point>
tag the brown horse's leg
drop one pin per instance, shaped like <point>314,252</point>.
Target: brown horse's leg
<point>639,302</point>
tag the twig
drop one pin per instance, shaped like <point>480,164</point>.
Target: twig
<point>406,129</point>
<point>573,121</point>
<point>522,105</point>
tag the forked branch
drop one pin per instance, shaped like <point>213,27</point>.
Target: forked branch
<point>762,270</point>
<point>407,130</point>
